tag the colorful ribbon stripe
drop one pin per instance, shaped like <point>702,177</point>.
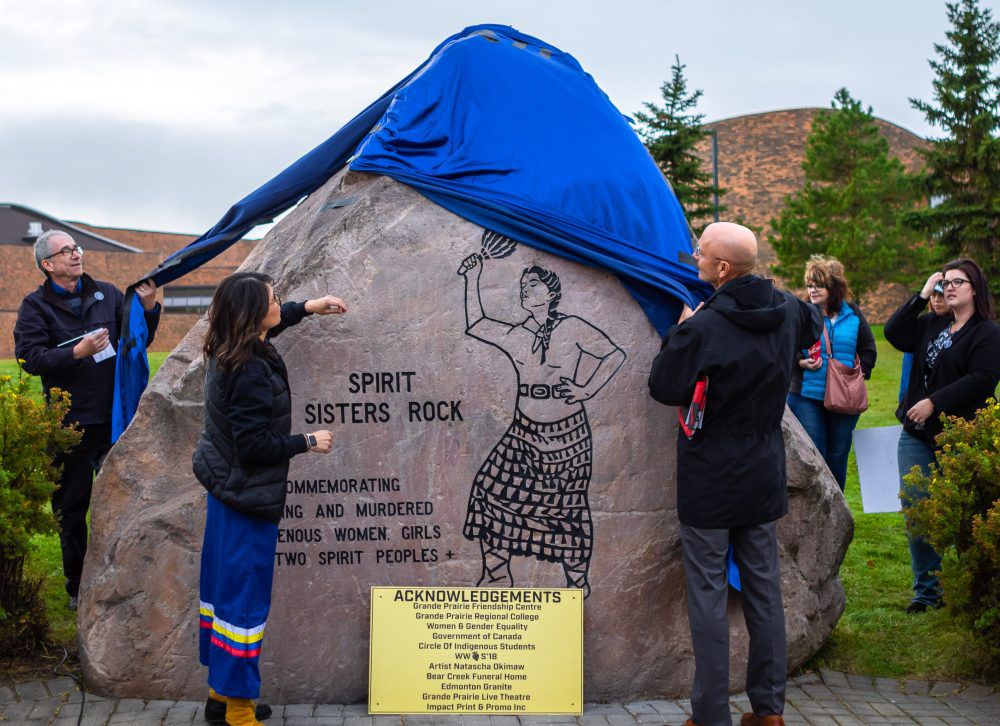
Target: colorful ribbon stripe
<point>238,642</point>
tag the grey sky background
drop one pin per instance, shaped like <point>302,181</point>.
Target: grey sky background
<point>159,114</point>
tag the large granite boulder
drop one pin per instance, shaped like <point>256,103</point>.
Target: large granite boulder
<point>418,404</point>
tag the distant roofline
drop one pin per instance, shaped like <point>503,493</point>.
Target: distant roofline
<point>71,225</point>
<point>807,108</point>
<point>133,229</point>
<point>154,231</point>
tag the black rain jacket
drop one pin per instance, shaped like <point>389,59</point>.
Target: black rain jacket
<point>732,472</point>
<point>45,320</point>
<point>243,454</point>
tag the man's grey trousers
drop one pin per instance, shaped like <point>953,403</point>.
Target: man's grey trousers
<point>755,550</point>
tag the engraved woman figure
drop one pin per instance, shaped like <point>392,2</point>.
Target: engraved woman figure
<point>529,497</point>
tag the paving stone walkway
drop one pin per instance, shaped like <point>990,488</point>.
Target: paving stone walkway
<point>826,698</point>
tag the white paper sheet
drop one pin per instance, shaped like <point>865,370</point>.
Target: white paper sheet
<point>875,451</point>
<point>108,352</point>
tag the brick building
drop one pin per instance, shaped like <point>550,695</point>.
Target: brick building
<point>760,162</point>
<point>121,256</point>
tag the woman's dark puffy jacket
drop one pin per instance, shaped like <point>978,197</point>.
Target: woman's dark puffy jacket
<point>243,454</point>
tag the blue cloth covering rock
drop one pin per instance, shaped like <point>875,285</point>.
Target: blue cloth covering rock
<point>507,131</point>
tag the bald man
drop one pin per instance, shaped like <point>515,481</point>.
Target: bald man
<point>731,471</point>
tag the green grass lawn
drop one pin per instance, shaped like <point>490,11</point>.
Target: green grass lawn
<point>874,636</point>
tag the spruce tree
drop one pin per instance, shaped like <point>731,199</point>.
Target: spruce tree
<point>851,204</point>
<point>962,172</point>
<point>672,133</point>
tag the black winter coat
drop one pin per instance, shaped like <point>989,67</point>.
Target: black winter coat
<point>966,374</point>
<point>744,339</point>
<point>243,454</point>
<point>45,320</point>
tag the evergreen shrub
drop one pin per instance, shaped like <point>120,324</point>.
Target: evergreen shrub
<point>32,433</point>
<point>957,510</point>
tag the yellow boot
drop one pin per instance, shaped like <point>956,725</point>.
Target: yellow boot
<point>239,711</point>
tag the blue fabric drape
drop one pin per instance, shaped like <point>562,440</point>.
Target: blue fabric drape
<point>131,364</point>
<point>508,132</point>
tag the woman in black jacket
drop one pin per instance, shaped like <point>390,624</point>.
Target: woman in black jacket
<point>956,368</point>
<point>242,460</point>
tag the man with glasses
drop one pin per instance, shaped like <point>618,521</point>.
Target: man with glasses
<point>67,333</point>
<point>740,344</point>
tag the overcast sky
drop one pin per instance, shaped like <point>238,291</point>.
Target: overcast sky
<point>159,114</point>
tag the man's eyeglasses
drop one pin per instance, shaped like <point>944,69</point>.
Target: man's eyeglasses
<point>66,252</point>
<point>956,283</point>
<point>698,253</point>
<point>277,300</point>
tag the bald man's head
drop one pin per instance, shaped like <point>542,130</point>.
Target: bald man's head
<point>726,251</point>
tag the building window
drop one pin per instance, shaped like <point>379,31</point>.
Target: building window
<point>187,299</point>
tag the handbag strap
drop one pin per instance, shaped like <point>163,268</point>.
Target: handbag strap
<point>829,349</point>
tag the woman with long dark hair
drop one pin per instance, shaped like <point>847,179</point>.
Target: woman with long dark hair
<point>242,460</point>
<point>956,367</point>
<point>529,497</point>
<point>848,335</point>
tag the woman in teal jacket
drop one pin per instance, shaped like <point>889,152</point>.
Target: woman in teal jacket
<point>849,335</point>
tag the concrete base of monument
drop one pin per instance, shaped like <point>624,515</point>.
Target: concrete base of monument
<point>445,417</point>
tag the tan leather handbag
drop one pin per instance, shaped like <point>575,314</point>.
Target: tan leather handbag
<point>845,387</point>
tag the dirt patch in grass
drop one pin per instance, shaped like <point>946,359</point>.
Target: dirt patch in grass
<point>52,661</point>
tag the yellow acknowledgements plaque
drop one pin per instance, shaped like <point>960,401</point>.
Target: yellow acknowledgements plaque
<point>476,650</point>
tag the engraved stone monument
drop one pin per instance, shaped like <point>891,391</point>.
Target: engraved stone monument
<point>492,426</point>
